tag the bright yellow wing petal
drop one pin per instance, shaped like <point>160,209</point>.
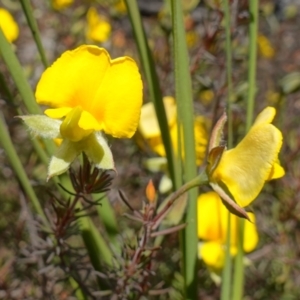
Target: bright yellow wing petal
<point>119,98</point>
<point>245,168</point>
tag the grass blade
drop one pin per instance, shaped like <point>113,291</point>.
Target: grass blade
<point>184,100</point>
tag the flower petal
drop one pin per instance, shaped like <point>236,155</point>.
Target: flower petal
<point>87,122</point>
<point>119,98</point>
<point>265,117</point>
<point>148,125</point>
<point>74,78</point>
<point>245,168</point>
<point>213,254</point>
<point>57,113</point>
<point>250,234</point>
<point>8,25</point>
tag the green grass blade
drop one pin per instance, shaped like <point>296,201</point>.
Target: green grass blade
<point>18,168</point>
<point>153,83</point>
<point>21,82</point>
<point>184,99</point>
<point>17,74</point>
<point>107,216</point>
<point>34,29</point>
<point>227,270</point>
<point>253,28</point>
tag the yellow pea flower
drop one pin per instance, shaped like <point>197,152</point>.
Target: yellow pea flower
<point>239,174</point>
<point>98,29</point>
<point>93,93</point>
<point>61,4</point>
<point>265,47</point>
<point>149,129</point>
<point>212,230</point>
<point>8,25</point>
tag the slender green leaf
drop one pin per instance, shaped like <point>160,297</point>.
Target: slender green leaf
<point>21,82</point>
<point>28,11</point>
<point>153,83</point>
<point>18,168</point>
<point>227,270</point>
<point>184,99</point>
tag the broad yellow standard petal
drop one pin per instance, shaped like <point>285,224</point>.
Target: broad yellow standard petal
<point>108,91</point>
<point>245,168</point>
<point>8,25</point>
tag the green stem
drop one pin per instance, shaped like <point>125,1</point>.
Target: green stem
<point>226,275</point>
<point>253,27</point>
<point>18,168</point>
<point>153,84</point>
<point>184,98</point>
<point>34,29</point>
<point>239,260</point>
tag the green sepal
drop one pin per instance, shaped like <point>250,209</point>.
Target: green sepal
<point>42,126</point>
<point>217,133</point>
<point>63,157</point>
<point>98,151</point>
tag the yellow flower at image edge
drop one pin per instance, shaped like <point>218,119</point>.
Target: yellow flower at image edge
<point>93,94</point>
<point>239,174</point>
<point>98,28</point>
<point>61,4</point>
<point>8,25</point>
<point>212,230</point>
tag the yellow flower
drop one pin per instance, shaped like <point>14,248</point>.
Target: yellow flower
<point>98,29</point>
<point>92,93</point>
<point>8,25</point>
<point>212,230</point>
<point>149,129</point>
<point>61,4</point>
<point>265,46</point>
<point>239,174</point>
<point>120,7</point>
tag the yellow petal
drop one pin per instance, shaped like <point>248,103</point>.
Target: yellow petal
<point>245,168</point>
<point>61,4</point>
<point>212,217</point>
<point>69,129</point>
<point>109,90</point>
<point>88,122</point>
<point>74,78</point>
<point>213,254</point>
<point>57,113</point>
<point>250,234</point>
<point>148,125</point>
<point>265,117</point>
<point>119,98</point>
<point>8,25</point>
<point>277,171</point>
<point>98,29</point>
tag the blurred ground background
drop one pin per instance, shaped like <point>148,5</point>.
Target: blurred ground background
<point>275,269</point>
